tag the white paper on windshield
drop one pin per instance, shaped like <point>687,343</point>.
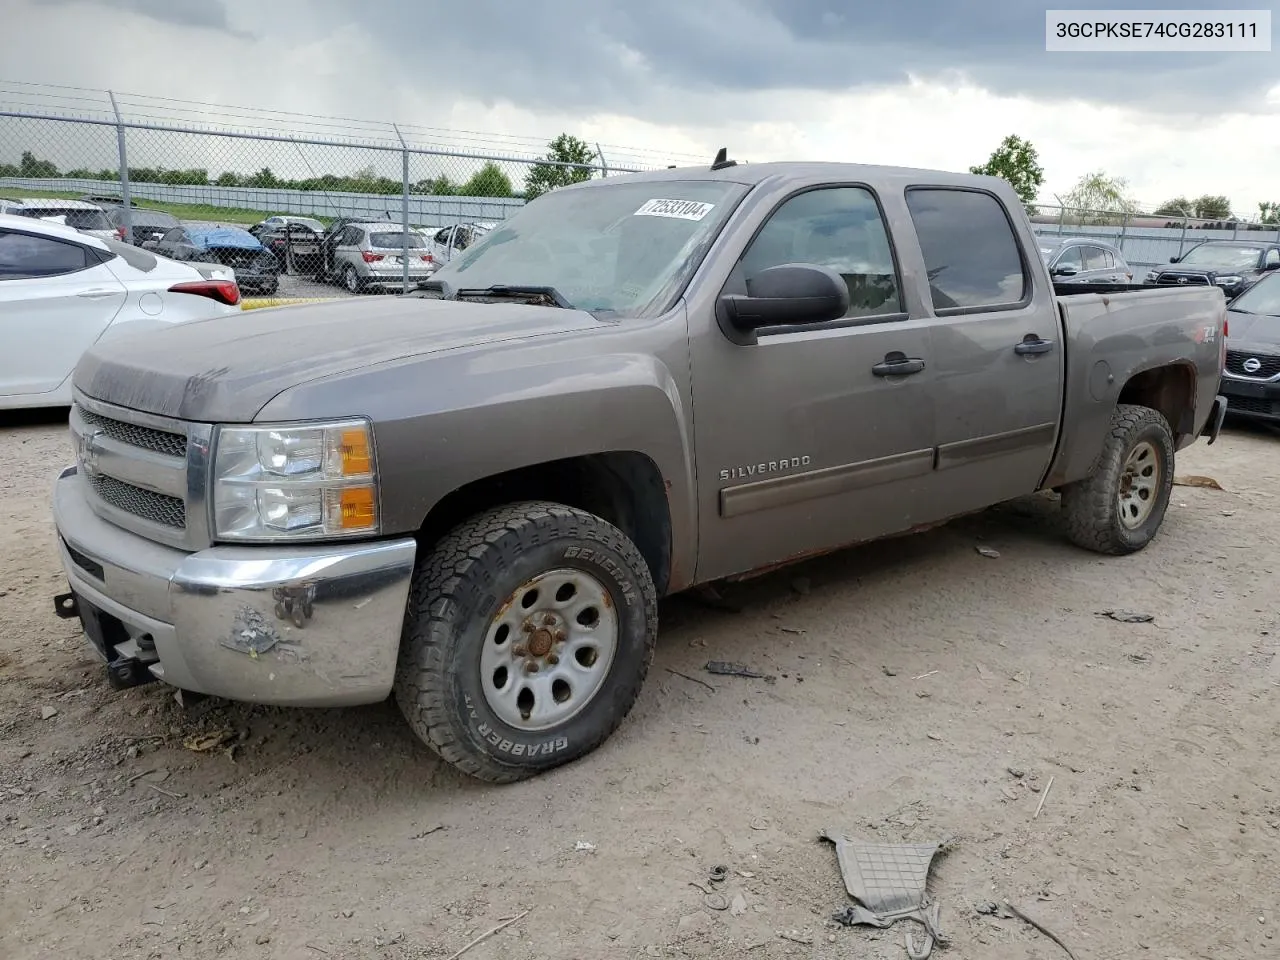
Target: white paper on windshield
<point>678,209</point>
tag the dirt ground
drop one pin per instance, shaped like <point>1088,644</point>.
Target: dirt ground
<point>923,691</point>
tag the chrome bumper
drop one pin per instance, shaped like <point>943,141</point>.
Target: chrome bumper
<point>315,625</point>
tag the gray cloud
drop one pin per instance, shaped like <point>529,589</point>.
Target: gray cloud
<point>205,14</point>
<point>643,58</point>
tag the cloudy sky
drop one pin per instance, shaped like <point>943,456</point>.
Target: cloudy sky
<point>931,84</point>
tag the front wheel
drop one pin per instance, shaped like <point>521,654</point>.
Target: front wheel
<point>1120,507</point>
<point>351,279</point>
<point>529,632</point>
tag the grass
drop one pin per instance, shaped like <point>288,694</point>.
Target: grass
<point>183,211</point>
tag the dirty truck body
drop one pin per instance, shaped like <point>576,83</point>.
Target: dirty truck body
<point>474,496</point>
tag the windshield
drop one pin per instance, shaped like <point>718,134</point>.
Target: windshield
<point>397,240</point>
<point>80,219</point>
<point>1048,248</point>
<point>621,248</point>
<point>1222,257</point>
<point>1263,297</point>
<point>315,225</point>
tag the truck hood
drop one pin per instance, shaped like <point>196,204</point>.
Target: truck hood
<point>226,369</point>
<point>1254,332</point>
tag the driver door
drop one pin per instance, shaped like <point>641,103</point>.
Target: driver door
<point>805,441</point>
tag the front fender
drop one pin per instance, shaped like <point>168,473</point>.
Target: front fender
<point>443,422</point>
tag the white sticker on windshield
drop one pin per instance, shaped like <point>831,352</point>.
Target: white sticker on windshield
<point>680,209</point>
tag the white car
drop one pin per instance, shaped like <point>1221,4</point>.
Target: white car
<point>61,291</point>
<point>84,216</point>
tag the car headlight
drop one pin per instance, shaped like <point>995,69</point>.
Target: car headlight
<point>1229,281</point>
<point>1152,276</point>
<point>307,481</point>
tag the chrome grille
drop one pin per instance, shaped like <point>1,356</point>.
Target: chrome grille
<point>155,507</point>
<point>148,438</point>
<point>1196,279</point>
<point>1268,366</point>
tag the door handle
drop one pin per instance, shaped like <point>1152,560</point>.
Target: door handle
<point>1032,345</point>
<point>95,294</point>
<point>897,364</point>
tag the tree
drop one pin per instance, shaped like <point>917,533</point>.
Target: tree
<point>1212,208</point>
<point>546,176</point>
<point>1269,213</point>
<point>1097,194</point>
<point>1177,207</point>
<point>440,186</point>
<point>1017,161</point>
<point>489,181</point>
<point>29,166</point>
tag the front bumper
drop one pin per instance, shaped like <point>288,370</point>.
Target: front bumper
<point>315,625</point>
<point>1251,398</point>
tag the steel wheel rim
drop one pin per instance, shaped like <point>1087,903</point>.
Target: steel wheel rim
<point>549,649</point>
<point>1139,485</point>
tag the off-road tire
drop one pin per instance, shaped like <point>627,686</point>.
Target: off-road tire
<point>1091,506</point>
<point>456,590</point>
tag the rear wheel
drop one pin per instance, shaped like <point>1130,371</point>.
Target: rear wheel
<point>529,632</point>
<point>1120,507</point>
<point>351,279</point>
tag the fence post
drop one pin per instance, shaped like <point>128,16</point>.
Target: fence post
<point>404,211</point>
<point>604,166</point>
<point>1124,226</point>
<point>124,170</point>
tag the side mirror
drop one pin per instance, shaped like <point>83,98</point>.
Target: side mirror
<point>1174,259</point>
<point>148,245</point>
<point>791,294</point>
<point>1271,266</point>
<point>1065,270</point>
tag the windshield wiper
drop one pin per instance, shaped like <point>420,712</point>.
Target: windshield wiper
<point>536,296</point>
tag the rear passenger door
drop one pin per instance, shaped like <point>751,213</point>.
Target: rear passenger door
<point>814,437</point>
<point>995,347</point>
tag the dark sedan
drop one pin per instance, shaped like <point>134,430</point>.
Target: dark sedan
<point>147,224</point>
<point>1233,265</point>
<point>256,269</point>
<point>1251,380</point>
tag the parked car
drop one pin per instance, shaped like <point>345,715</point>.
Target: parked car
<point>325,269</point>
<point>82,216</point>
<point>1084,260</point>
<point>256,269</point>
<point>368,256</point>
<point>1233,265</point>
<point>146,224</point>
<point>61,291</point>
<point>489,483</point>
<point>456,237</point>
<point>1251,378</point>
<point>107,201</point>
<point>293,243</point>
<point>279,221</point>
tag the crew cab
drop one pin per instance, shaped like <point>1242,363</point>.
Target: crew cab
<point>473,496</point>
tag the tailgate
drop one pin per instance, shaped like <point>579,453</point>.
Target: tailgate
<point>1111,338</point>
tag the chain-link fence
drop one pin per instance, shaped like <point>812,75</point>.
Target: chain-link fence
<point>1146,240</point>
<point>374,206</point>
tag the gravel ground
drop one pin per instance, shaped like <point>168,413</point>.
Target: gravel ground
<point>922,691</point>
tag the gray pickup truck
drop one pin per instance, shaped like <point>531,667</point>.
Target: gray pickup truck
<point>472,497</point>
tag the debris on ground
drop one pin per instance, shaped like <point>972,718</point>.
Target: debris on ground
<point>718,874</point>
<point>724,668</point>
<point>1043,797</point>
<point>1041,927</point>
<point>204,742</point>
<point>582,846</point>
<point>1191,480</point>
<point>48,713</point>
<point>989,552</point>
<point>489,933</point>
<point>888,883</point>
<point>1126,616</point>
<point>739,905</point>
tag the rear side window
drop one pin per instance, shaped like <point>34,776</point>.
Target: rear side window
<point>969,248</point>
<point>23,257</point>
<point>1097,258</point>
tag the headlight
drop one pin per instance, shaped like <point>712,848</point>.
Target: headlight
<point>1152,276</point>
<point>1227,281</point>
<point>309,481</point>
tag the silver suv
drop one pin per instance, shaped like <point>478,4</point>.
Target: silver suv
<point>368,256</point>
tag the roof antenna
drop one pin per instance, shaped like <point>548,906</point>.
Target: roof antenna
<point>722,160</point>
